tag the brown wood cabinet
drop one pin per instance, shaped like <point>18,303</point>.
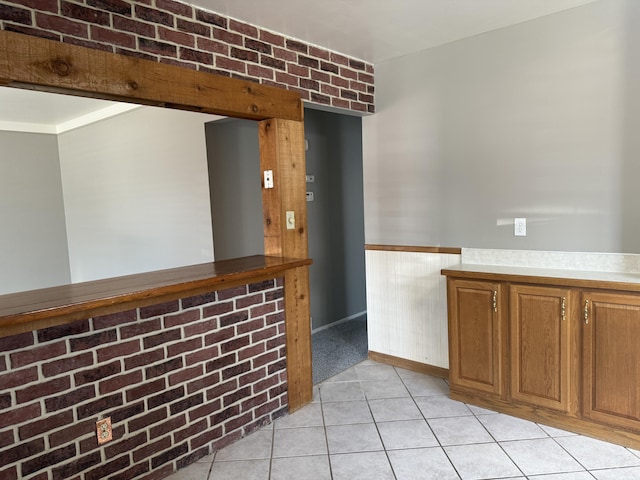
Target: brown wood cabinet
<point>561,352</point>
<point>611,358</point>
<point>540,347</point>
<point>475,337</point>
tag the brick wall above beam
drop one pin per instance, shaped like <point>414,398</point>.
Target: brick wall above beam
<point>180,34</point>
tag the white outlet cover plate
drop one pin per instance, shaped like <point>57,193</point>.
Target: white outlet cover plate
<point>268,179</point>
<point>520,227</point>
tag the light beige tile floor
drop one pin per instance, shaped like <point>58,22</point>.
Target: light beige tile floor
<point>379,422</point>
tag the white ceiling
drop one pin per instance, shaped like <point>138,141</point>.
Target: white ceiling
<point>377,30</point>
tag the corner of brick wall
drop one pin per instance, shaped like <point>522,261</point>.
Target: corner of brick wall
<point>176,33</point>
<point>179,381</point>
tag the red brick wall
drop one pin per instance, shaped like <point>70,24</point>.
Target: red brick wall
<point>179,380</point>
<point>176,33</point>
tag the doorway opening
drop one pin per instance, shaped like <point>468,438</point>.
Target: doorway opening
<point>335,213</point>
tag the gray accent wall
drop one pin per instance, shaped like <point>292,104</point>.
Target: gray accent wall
<point>235,187</point>
<point>33,242</point>
<point>536,120</point>
<point>335,217</point>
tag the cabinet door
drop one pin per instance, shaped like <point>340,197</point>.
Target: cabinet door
<point>475,335</point>
<point>611,356</point>
<point>540,345</point>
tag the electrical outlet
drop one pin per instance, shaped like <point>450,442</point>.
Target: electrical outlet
<point>520,227</point>
<point>268,179</point>
<point>104,431</point>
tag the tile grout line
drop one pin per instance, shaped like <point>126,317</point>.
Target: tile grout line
<point>498,443</point>
<point>548,436</point>
<point>273,441</point>
<point>210,471</point>
<point>500,446</point>
<point>384,448</point>
<point>364,399</point>
<point>572,456</point>
<point>324,427</point>
<point>429,425</point>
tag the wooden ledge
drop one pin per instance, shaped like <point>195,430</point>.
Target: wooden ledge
<point>416,249</point>
<point>36,309</point>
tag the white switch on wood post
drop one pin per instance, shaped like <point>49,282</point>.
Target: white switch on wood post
<point>291,220</point>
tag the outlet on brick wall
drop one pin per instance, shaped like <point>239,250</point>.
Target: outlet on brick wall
<point>104,431</point>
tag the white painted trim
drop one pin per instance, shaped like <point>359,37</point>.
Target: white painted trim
<point>93,117</point>
<point>338,322</point>
<point>81,121</point>
<point>27,127</point>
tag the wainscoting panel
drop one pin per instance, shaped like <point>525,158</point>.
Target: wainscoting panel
<point>407,304</point>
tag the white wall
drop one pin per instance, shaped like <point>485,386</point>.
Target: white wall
<point>33,240</point>
<point>136,193</point>
<point>537,120</point>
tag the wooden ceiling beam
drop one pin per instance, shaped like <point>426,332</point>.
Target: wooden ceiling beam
<point>40,64</point>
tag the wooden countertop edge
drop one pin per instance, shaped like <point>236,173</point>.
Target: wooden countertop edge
<point>37,309</point>
<point>546,280</point>
<point>416,249</point>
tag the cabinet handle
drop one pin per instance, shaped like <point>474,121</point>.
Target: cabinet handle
<point>495,300</point>
<point>564,308</point>
<point>586,312</point>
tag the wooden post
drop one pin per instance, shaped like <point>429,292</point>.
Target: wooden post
<point>282,151</point>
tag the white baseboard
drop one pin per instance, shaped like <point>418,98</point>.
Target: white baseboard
<point>338,322</point>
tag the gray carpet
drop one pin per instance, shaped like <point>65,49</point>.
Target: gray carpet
<point>337,348</point>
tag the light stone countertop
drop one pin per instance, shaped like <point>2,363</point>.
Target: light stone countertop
<point>622,280</point>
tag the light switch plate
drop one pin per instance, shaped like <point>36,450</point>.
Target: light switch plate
<point>291,220</point>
